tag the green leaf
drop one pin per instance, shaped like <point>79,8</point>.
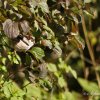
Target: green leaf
<point>25,10</point>
<point>62,82</point>
<point>16,98</point>
<point>69,96</point>
<point>73,72</point>
<point>48,30</point>
<point>77,95</point>
<point>4,60</point>
<point>46,84</point>
<point>62,64</point>
<point>28,59</point>
<point>52,67</point>
<point>89,86</point>
<point>32,91</point>
<point>16,2</point>
<point>10,88</point>
<point>15,60</point>
<point>6,92</point>
<point>17,57</point>
<point>36,26</point>
<point>37,52</point>
<point>3,68</point>
<point>9,57</point>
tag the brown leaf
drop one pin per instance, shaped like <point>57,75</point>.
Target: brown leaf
<point>25,26</point>
<point>77,41</point>
<point>11,29</point>
<point>24,44</point>
<point>42,70</point>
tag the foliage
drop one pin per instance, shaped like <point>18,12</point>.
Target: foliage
<point>42,50</point>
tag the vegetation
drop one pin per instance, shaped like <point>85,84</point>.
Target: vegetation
<point>49,50</point>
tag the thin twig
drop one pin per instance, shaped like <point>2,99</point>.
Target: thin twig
<point>89,47</point>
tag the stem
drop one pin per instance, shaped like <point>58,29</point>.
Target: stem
<point>89,47</point>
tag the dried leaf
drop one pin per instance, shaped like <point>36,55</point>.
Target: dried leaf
<point>46,43</point>
<point>40,4</point>
<point>42,70</point>
<point>76,41</point>
<point>24,45</point>
<point>57,52</point>
<point>25,26</point>
<point>11,29</point>
<point>87,1</point>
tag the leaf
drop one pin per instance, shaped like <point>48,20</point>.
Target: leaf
<point>76,40</point>
<point>75,9</point>
<point>73,72</point>
<point>3,60</point>
<point>89,86</point>
<point>3,68</point>
<point>52,67</point>
<point>17,57</point>
<point>37,52</point>
<point>25,10</point>
<point>16,98</point>
<point>62,82</point>
<point>56,53</point>
<point>6,92</point>
<point>9,57</point>
<point>25,26</point>
<point>76,95</point>
<point>69,96</point>
<point>43,21</point>
<point>28,59</point>
<point>15,60</point>
<point>16,3</point>
<point>49,30</point>
<point>89,14</point>
<point>47,43</point>
<point>62,64</point>
<point>2,18</point>
<point>32,91</point>
<point>40,4</point>
<point>46,84</point>
<point>33,3</point>
<point>36,25</point>
<point>43,5</point>
<point>42,70</point>
<point>87,1</point>
<point>25,44</point>
<point>11,89</point>
<point>10,28</point>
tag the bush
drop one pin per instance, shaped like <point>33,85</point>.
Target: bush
<point>42,50</point>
